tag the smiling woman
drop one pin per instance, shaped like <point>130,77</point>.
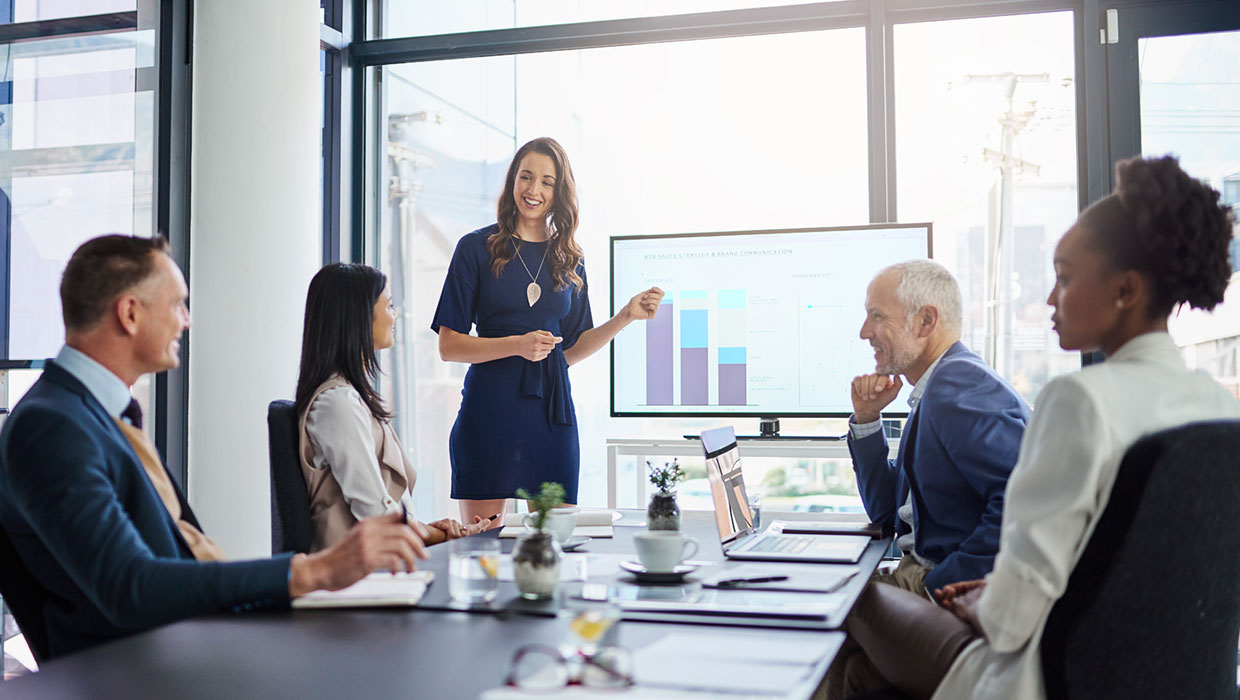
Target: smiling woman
<point>531,326</point>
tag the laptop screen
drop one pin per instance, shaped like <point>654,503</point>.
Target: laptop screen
<point>727,487</point>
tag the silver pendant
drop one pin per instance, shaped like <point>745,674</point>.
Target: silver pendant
<point>532,292</point>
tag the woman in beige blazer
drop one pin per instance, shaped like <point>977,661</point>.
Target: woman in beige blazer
<point>354,465</point>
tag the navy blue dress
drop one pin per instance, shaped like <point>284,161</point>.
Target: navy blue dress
<point>517,427</point>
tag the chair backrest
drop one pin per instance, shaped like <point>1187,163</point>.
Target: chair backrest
<point>24,596</point>
<point>291,527</point>
<point>1152,608</point>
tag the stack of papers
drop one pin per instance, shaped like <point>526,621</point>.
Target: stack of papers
<point>738,662</point>
<point>692,665</point>
<point>590,523</point>
<point>376,590</point>
<point>768,604</point>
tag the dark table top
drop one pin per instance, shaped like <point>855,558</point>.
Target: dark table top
<point>430,651</point>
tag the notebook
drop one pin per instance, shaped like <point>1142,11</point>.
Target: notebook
<point>375,590</point>
<point>590,523</point>
<point>830,527</point>
<point>735,520</point>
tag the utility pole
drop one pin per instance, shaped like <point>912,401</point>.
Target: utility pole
<point>1000,248</point>
<point>404,186</point>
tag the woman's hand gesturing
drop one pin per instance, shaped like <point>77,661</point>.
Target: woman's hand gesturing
<point>643,305</point>
<point>536,345</point>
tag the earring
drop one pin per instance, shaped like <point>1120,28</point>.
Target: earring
<point>1119,303</point>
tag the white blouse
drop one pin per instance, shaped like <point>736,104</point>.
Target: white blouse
<point>339,427</point>
<point>1081,428</point>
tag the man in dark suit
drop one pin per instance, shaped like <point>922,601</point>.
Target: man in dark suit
<point>93,516</point>
<point>943,494</point>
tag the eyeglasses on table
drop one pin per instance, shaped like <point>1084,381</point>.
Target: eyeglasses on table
<point>542,668</point>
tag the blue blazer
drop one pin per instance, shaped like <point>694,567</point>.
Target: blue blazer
<point>89,526</point>
<point>955,457</point>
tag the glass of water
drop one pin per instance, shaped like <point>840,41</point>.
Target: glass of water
<point>586,625</point>
<point>755,508</point>
<point>473,570</point>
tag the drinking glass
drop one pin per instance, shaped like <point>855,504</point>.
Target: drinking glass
<point>473,570</point>
<point>586,625</point>
<point>755,508</point>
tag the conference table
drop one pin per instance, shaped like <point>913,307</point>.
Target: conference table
<point>434,650</point>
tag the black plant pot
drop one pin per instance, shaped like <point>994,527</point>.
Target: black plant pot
<point>663,513</point>
<point>536,565</point>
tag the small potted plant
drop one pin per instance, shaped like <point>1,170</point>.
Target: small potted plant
<point>536,557</point>
<point>663,513</point>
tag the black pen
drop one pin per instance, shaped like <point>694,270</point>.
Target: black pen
<point>404,513</point>
<point>744,581</point>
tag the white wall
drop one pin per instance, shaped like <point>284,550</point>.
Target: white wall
<point>254,244</point>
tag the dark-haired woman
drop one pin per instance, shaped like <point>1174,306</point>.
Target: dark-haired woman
<point>1159,241</point>
<point>522,283</point>
<point>353,463</point>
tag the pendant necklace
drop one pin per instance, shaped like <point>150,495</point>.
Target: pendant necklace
<point>532,291</point>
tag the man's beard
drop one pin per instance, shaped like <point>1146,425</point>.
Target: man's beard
<point>901,355</point>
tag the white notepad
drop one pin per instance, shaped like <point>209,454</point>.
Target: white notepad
<point>376,590</point>
<point>590,523</point>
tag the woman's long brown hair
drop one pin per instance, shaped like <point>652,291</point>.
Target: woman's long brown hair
<point>562,249</point>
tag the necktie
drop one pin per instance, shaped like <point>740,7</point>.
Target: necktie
<point>202,547</point>
<point>133,412</point>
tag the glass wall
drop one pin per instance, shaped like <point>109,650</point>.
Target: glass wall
<point>1190,107</point>
<point>755,132</point>
<point>77,130</point>
<point>986,149</point>
<point>678,137</point>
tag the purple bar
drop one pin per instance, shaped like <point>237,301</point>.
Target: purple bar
<point>693,377</point>
<point>659,357</point>
<point>731,385</point>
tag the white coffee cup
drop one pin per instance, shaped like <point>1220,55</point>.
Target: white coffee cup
<point>661,550</point>
<point>560,522</point>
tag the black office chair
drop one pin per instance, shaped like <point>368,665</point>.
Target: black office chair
<point>291,527</point>
<point>24,597</point>
<point>1152,608</point>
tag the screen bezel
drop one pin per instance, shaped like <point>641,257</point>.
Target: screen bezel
<point>611,282</point>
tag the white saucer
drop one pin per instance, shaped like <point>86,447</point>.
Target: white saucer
<point>572,543</point>
<point>676,575</point>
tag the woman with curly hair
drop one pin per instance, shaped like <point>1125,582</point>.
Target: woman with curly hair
<point>522,282</point>
<point>1159,241</point>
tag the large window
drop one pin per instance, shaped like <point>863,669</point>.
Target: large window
<point>77,129</point>
<point>693,136</point>
<point>986,149</point>
<point>1190,106</point>
<point>710,123</point>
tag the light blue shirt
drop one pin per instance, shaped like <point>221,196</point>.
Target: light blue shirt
<point>106,387</point>
<point>860,430</point>
<point>907,541</point>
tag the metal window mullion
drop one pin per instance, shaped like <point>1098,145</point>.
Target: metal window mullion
<point>609,33</point>
<point>69,26</point>
<point>909,11</point>
<point>881,115</point>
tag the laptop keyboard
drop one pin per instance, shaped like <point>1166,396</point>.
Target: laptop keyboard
<point>783,544</point>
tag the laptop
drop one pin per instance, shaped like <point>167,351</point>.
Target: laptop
<point>735,520</point>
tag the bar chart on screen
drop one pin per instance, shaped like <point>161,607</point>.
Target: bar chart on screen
<point>764,323</point>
